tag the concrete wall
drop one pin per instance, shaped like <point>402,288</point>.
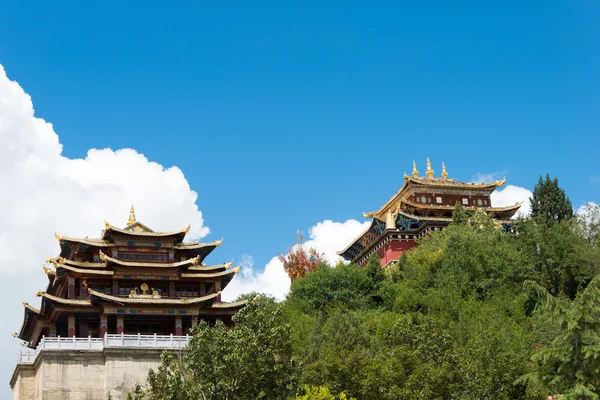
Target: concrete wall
<point>83,375</point>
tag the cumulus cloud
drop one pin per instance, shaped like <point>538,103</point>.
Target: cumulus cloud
<point>326,237</point>
<point>511,195</point>
<point>43,192</point>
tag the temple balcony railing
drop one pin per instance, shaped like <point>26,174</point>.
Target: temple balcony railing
<point>109,341</point>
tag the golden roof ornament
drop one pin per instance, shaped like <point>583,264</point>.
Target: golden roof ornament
<point>444,173</point>
<point>429,170</point>
<point>187,228</point>
<point>415,172</point>
<point>131,219</point>
<point>107,225</point>
<point>58,236</point>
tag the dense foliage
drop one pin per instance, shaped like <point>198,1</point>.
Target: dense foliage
<point>472,313</point>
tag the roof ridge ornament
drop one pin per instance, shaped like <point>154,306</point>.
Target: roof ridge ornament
<point>131,219</point>
<point>415,172</point>
<point>444,172</point>
<point>429,170</point>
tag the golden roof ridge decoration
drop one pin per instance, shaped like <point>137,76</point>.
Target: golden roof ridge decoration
<point>415,172</point>
<point>444,172</point>
<point>48,271</point>
<point>131,219</point>
<point>429,171</point>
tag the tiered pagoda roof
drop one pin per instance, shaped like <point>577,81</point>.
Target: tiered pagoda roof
<point>424,202</point>
<point>90,276</point>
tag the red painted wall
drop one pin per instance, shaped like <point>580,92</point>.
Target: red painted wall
<point>393,249</point>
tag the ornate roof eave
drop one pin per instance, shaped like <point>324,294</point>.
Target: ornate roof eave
<point>138,300</point>
<point>84,271</point>
<point>223,266</point>
<point>110,260</point>
<point>89,242</point>
<point>234,304</point>
<point>82,264</point>
<point>110,229</point>
<point>232,271</point>
<point>432,182</point>
<point>60,300</point>
<point>357,238</point>
<point>514,207</point>
<point>197,245</point>
<point>447,182</point>
<point>31,308</point>
<point>30,314</point>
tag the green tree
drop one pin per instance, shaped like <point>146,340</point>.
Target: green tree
<point>459,215</point>
<point>570,364</point>
<point>251,360</point>
<point>549,202</point>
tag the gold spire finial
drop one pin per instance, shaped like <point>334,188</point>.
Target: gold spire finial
<point>131,219</point>
<point>444,173</point>
<point>415,171</point>
<point>429,170</point>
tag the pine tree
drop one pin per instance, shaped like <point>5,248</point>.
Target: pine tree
<point>459,215</point>
<point>549,202</point>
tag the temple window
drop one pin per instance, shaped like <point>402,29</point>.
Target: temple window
<point>465,201</point>
<point>423,199</point>
<point>438,200</point>
<point>479,202</point>
<point>186,291</point>
<point>101,286</point>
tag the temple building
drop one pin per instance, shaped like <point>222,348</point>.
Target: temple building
<point>423,204</point>
<point>129,281</point>
<point>113,305</point>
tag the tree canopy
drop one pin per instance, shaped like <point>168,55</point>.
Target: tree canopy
<point>549,202</point>
<point>473,312</point>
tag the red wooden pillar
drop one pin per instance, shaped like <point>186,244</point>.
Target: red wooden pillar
<point>71,322</point>
<point>120,324</point>
<point>71,287</point>
<point>103,325</point>
<point>178,326</point>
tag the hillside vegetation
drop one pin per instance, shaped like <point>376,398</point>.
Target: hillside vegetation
<point>473,312</point>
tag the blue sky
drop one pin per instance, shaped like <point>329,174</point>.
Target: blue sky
<point>280,115</point>
<point>284,115</point>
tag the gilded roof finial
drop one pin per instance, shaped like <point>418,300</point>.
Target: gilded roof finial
<point>415,171</point>
<point>131,219</point>
<point>444,173</point>
<point>429,170</point>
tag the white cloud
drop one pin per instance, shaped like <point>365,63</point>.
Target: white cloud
<point>43,192</point>
<point>511,195</point>
<point>326,237</point>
